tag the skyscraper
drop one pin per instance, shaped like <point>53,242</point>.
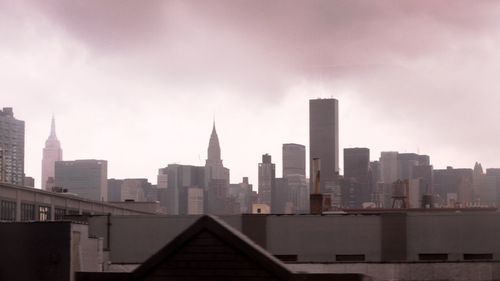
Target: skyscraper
<point>324,139</point>
<point>267,176</point>
<point>85,178</point>
<point>356,170</point>
<point>180,179</point>
<point>11,148</point>
<point>294,177</point>
<point>294,159</point>
<point>389,167</point>
<point>215,170</point>
<point>51,153</point>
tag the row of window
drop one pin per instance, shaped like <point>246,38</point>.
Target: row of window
<point>421,257</point>
<point>30,213</point>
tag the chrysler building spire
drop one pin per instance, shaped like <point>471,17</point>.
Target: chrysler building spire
<point>214,155</point>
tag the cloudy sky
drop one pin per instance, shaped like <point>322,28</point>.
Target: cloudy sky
<point>137,83</point>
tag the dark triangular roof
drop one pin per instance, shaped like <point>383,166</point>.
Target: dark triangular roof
<point>231,237</point>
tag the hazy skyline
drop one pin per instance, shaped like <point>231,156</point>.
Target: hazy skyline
<point>137,83</point>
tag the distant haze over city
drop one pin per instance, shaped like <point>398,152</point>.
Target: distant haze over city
<point>139,83</point>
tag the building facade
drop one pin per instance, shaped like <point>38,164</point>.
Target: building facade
<point>11,148</point>
<point>84,178</point>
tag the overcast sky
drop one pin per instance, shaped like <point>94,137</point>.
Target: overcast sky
<point>137,83</point>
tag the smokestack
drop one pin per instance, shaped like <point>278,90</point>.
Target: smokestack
<point>316,175</point>
<point>316,198</point>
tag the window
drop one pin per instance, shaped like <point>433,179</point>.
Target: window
<point>43,213</point>
<point>27,212</point>
<point>286,258</point>
<point>350,258</point>
<point>59,213</point>
<point>7,210</point>
<point>469,257</point>
<point>433,257</point>
<point>73,212</point>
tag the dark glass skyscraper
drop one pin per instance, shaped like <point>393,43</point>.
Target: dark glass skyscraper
<point>356,170</point>
<point>11,148</point>
<point>324,139</point>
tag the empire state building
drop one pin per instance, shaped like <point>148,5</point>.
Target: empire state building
<point>51,153</point>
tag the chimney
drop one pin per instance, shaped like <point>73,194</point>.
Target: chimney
<point>316,198</point>
<point>316,176</point>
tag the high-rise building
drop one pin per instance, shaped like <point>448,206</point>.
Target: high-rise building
<point>216,178</point>
<point>134,189</point>
<point>407,162</point>
<point>267,176</point>
<point>11,148</point>
<point>242,194</point>
<point>85,178</point>
<point>215,170</point>
<point>389,167</point>
<point>324,139</point>
<point>295,198</point>
<point>51,153</point>
<point>453,187</point>
<point>357,171</point>
<point>115,190</point>
<point>180,179</point>
<point>294,159</point>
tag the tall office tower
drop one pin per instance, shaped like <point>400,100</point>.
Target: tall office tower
<point>389,167</point>
<point>134,189</point>
<point>324,140</point>
<point>267,176</point>
<point>242,194</point>
<point>216,178</point>
<point>180,179</point>
<point>294,159</point>
<point>294,178</point>
<point>453,186</point>
<point>51,153</point>
<point>215,170</point>
<point>162,179</point>
<point>375,179</point>
<point>115,190</point>
<point>488,186</point>
<point>478,175</point>
<point>11,148</point>
<point>424,160</point>
<point>407,162</point>
<point>356,170</point>
<point>356,162</point>
<point>85,178</point>
<point>425,174</point>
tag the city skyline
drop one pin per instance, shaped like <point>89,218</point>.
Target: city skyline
<point>142,87</point>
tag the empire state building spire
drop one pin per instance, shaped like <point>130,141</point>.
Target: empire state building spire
<point>51,153</point>
<point>53,128</point>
